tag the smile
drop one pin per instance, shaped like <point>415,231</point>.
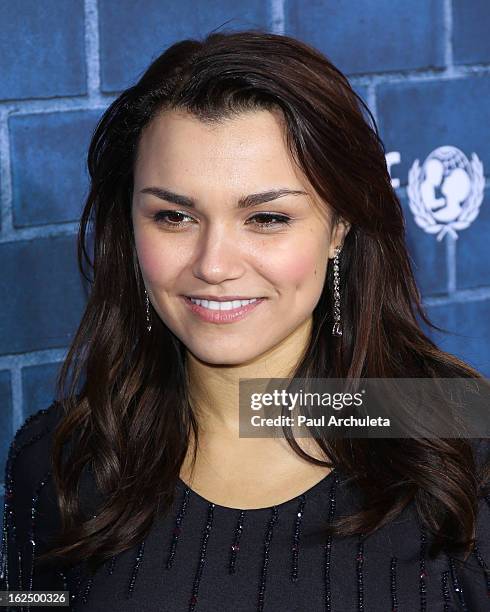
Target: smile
<point>222,312</point>
<point>222,305</point>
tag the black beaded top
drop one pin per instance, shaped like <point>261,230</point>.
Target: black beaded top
<point>205,557</point>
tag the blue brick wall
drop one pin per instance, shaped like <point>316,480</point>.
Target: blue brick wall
<point>423,67</point>
<point>42,49</point>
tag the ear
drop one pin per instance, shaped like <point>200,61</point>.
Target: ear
<point>339,232</point>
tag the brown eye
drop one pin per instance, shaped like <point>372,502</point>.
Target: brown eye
<point>267,220</point>
<point>164,217</point>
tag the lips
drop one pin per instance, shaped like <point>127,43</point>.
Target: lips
<point>222,316</point>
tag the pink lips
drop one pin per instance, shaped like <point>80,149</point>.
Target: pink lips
<point>221,316</point>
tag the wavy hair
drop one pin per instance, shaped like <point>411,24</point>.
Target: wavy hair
<point>124,392</point>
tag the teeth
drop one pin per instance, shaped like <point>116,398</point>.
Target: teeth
<point>212,305</point>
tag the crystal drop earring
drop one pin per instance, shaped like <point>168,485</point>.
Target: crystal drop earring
<point>337,326</point>
<point>148,322</point>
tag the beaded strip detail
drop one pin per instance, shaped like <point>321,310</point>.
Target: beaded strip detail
<point>177,528</point>
<point>32,533</point>
<point>445,589</point>
<point>235,547</point>
<point>78,574</point>
<point>393,593</point>
<point>423,572</point>
<point>35,501</point>
<point>202,557</point>
<point>360,576</point>
<point>456,586</point>
<point>296,534</point>
<point>110,565</point>
<point>86,590</point>
<point>328,545</point>
<point>265,564</point>
<point>134,573</point>
<point>483,565</point>
<point>88,586</point>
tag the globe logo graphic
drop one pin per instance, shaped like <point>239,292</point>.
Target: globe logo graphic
<point>445,194</point>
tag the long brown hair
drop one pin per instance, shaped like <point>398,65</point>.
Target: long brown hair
<point>124,393</point>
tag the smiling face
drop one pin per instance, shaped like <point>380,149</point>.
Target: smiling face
<point>211,241</point>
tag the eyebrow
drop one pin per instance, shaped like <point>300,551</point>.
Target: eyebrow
<point>252,199</point>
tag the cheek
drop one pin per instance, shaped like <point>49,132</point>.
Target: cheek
<point>156,262</point>
<point>301,267</point>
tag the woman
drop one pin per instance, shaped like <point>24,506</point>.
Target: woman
<point>245,226</point>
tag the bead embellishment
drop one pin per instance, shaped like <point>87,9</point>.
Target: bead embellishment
<point>202,557</point>
<point>78,583</point>
<point>177,528</point>
<point>423,572</point>
<point>19,565</point>
<point>134,574</point>
<point>296,534</point>
<point>62,575</point>
<point>265,564</point>
<point>328,544</point>
<point>235,547</point>
<point>111,563</point>
<point>445,589</point>
<point>88,586</point>
<point>456,586</point>
<point>360,576</point>
<point>483,565</point>
<point>34,506</point>
<point>394,597</point>
<point>86,590</point>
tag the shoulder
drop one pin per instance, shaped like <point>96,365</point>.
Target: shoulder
<point>28,463</point>
<point>29,451</point>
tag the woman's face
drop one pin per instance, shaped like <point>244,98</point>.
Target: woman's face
<point>196,235</point>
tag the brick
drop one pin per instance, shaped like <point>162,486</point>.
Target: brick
<point>375,37</point>
<point>469,327</point>
<point>428,255</point>
<point>6,428</point>
<point>472,252</point>
<point>130,38</point>
<point>417,118</point>
<point>471,25</point>
<point>48,157</point>
<point>42,294</point>
<point>42,51</point>
<point>38,386</point>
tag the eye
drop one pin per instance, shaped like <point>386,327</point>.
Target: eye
<point>271,220</point>
<point>163,216</point>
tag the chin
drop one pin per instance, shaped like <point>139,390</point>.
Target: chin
<point>223,356</point>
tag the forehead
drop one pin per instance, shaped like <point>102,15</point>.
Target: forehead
<point>248,147</point>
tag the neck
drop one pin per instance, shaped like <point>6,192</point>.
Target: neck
<point>214,388</point>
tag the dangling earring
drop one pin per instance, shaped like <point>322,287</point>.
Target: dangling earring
<point>337,326</point>
<point>148,322</point>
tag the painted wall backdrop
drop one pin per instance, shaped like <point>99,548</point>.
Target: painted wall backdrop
<point>423,67</point>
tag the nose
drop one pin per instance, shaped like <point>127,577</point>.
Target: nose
<point>218,256</point>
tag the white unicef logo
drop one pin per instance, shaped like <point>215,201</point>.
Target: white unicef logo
<point>445,194</point>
